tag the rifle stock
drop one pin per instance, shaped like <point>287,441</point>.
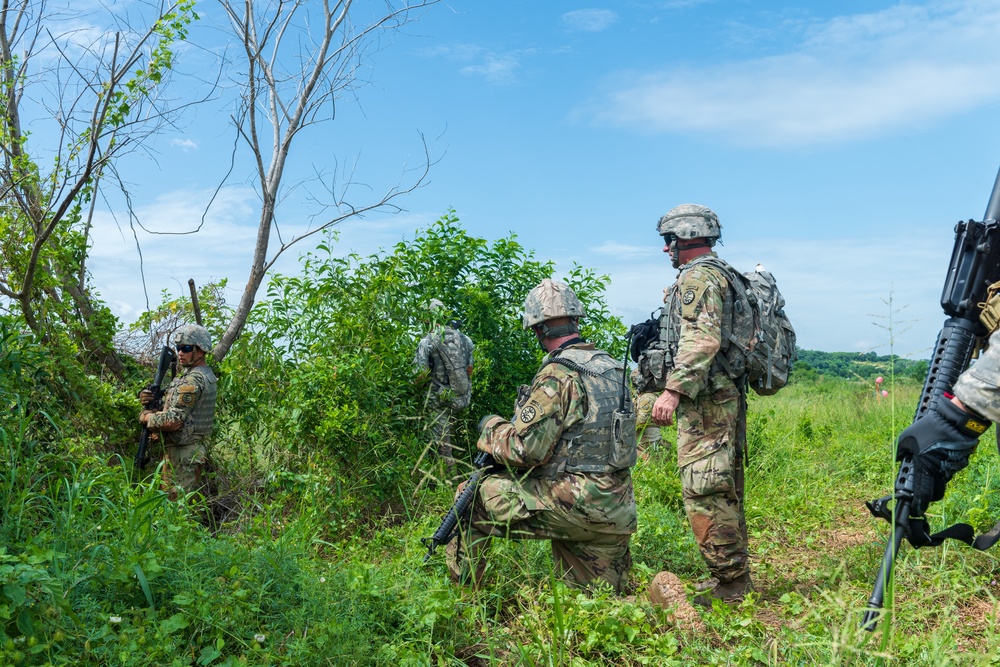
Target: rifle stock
<point>168,361</point>
<point>449,527</point>
<point>974,266</point>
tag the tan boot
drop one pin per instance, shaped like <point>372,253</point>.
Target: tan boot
<point>667,591</point>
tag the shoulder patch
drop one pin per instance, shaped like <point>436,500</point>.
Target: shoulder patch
<point>528,414</point>
<point>691,290</point>
<point>187,393</point>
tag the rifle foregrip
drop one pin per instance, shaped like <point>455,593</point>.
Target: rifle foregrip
<point>446,531</point>
<point>950,358</point>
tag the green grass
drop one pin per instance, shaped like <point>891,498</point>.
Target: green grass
<point>99,569</point>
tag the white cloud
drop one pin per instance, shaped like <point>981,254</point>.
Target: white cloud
<point>184,144</point>
<point>848,78</point>
<point>495,69</point>
<point>589,20</point>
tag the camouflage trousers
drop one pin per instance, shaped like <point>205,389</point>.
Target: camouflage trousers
<point>580,555</point>
<point>440,432</point>
<point>182,469</point>
<point>713,430</point>
<point>647,433</point>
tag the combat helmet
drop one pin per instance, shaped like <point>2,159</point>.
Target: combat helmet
<point>193,334</point>
<point>690,221</point>
<point>549,300</point>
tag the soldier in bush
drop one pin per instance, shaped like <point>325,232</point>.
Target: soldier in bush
<point>708,406</point>
<point>184,425</point>
<point>567,477</point>
<point>445,354</point>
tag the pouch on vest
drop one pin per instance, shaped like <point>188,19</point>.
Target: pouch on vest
<point>623,449</point>
<point>653,365</point>
<point>990,316</point>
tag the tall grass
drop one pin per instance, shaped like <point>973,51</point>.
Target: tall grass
<point>100,569</point>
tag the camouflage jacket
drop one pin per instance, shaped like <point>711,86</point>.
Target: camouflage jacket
<point>979,386</point>
<point>188,408</point>
<point>555,402</point>
<point>447,351</point>
<point>690,335</point>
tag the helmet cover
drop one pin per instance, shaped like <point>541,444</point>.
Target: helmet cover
<point>549,300</point>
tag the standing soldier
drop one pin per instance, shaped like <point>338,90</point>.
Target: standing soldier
<point>710,408</point>
<point>446,354</point>
<point>568,477</point>
<point>184,425</point>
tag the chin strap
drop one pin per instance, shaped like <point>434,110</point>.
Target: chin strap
<point>571,327</point>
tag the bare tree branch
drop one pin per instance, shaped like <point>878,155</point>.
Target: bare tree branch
<point>324,66</point>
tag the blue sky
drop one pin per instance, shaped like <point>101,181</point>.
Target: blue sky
<point>838,143</point>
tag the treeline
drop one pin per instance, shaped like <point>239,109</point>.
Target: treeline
<point>813,364</point>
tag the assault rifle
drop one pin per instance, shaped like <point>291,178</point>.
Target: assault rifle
<point>460,511</point>
<point>975,265</point>
<point>168,360</point>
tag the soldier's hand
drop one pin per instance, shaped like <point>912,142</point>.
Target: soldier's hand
<point>146,397</point>
<point>940,444</point>
<point>144,416</point>
<point>664,408</point>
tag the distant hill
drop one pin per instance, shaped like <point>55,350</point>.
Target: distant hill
<point>855,365</point>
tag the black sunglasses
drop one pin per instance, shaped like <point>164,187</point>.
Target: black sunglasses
<point>185,348</point>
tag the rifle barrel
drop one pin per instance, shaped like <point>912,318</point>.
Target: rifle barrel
<point>874,609</point>
<point>194,301</point>
<point>993,208</point>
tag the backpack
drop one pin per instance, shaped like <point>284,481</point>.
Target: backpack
<point>449,350</point>
<point>641,335</point>
<point>758,338</point>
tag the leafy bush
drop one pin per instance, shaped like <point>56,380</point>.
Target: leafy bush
<point>324,372</point>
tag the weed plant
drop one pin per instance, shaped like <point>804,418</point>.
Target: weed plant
<point>319,561</point>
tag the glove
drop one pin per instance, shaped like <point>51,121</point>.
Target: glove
<point>939,444</point>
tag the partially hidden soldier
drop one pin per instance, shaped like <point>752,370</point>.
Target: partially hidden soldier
<point>647,432</point>
<point>567,479</point>
<point>184,425</point>
<point>709,407</point>
<point>445,353</point>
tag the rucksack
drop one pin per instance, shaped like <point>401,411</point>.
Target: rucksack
<point>642,335</point>
<point>758,338</point>
<point>449,350</point>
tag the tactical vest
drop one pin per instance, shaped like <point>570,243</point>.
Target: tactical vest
<point>658,359</point>
<point>203,415</point>
<point>590,446</point>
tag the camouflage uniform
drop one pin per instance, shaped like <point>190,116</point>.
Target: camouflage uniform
<point>710,431</point>
<point>443,348</point>
<point>647,433</point>
<point>979,386</point>
<point>567,479</point>
<point>185,426</point>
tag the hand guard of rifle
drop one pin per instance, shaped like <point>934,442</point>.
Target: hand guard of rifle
<point>168,361</point>
<point>460,511</point>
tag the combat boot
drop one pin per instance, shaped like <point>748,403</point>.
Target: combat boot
<point>730,592</point>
